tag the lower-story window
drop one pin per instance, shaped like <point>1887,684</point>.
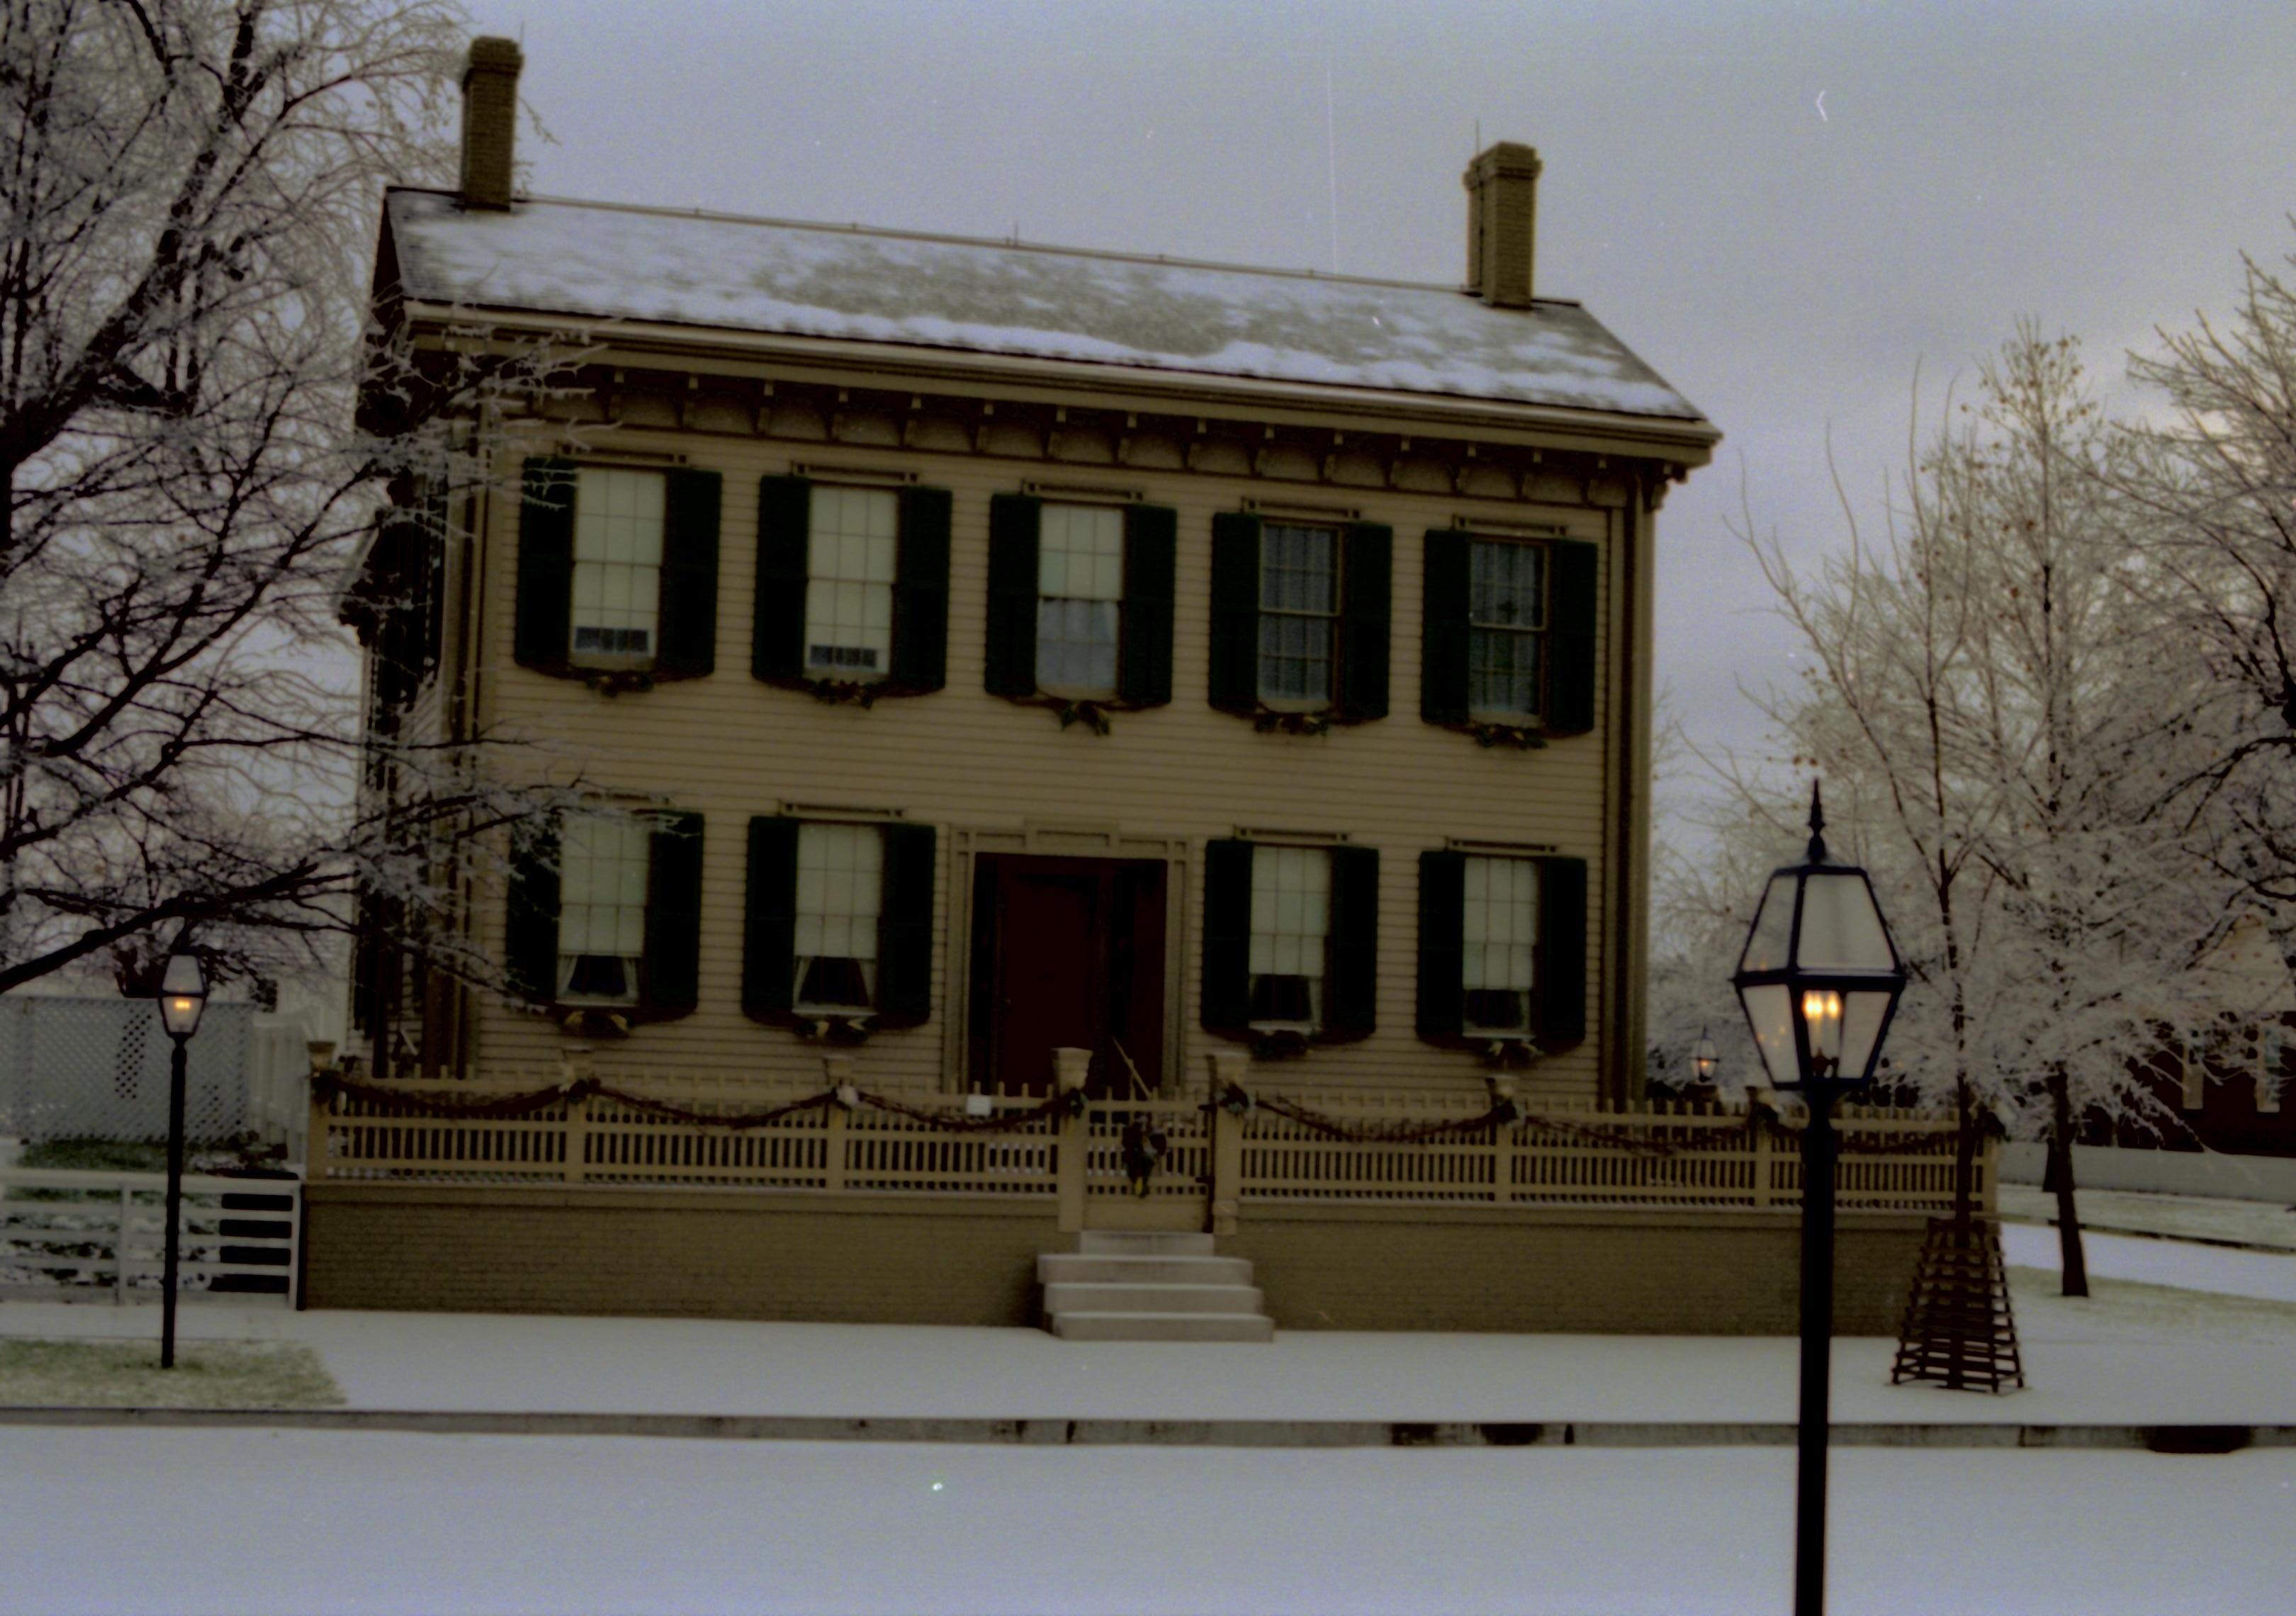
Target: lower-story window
<point>1290,920</point>
<point>1498,939</point>
<point>602,894</point>
<point>1291,941</point>
<point>840,894</point>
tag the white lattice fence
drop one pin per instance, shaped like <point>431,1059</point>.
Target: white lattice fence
<point>75,1068</point>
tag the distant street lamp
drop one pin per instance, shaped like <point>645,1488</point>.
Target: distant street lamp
<point>1819,980</point>
<point>1703,1059</point>
<point>183,997</point>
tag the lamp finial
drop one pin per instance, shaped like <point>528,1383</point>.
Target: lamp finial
<point>1817,826</point>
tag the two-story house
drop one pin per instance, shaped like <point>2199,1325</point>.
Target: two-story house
<point>978,650</point>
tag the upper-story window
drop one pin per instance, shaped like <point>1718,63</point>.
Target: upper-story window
<point>617,571</point>
<point>1508,641</point>
<point>852,594</point>
<point>852,553</point>
<point>1299,617</point>
<point>617,524</point>
<point>1507,616</point>
<point>1298,613</point>
<point>1080,599</point>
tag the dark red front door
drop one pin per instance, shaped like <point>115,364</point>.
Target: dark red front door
<point>1067,953</point>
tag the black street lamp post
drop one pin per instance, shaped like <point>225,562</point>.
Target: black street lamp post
<point>183,996</point>
<point>1820,979</point>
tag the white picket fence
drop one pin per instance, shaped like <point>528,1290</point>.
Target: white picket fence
<point>79,1236</point>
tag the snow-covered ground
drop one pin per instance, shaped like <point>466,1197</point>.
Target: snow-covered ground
<point>2254,1223</point>
<point>308,1522</point>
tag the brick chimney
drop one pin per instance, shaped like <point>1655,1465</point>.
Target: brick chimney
<point>1502,224</point>
<point>489,121</point>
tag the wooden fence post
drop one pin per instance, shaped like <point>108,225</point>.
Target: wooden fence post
<point>1070,1067</point>
<point>1502,1144</point>
<point>573,1066</point>
<point>314,1135</point>
<point>1762,1158</point>
<point>837,1071</point>
<point>1228,1068</point>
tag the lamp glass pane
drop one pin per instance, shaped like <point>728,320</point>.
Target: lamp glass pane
<point>1862,1013</point>
<point>1841,925</point>
<point>1769,1012</point>
<point>1772,932</point>
<point>183,975</point>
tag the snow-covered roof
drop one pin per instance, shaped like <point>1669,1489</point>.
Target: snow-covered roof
<point>598,260</point>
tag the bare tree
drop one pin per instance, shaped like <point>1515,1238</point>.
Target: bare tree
<point>189,190</point>
<point>1993,712</point>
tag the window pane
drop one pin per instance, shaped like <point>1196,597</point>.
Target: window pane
<point>1290,917</point>
<point>840,879</point>
<point>1076,645</point>
<point>1499,931</point>
<point>617,526</point>
<point>851,554</point>
<point>602,865</point>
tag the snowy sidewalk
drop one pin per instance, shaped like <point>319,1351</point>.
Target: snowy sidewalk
<point>2214,1220</point>
<point>2216,1350</point>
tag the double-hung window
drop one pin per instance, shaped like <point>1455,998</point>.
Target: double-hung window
<point>1498,943</point>
<point>604,870</point>
<point>1298,613</point>
<point>1080,599</point>
<point>1506,631</point>
<point>840,898</point>
<point>1290,925</point>
<point>617,552</point>
<point>852,554</point>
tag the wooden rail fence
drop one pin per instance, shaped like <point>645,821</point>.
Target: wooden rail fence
<point>1213,1158</point>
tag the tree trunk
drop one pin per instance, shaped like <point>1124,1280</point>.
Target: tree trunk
<point>1965,1157</point>
<point>2060,1175</point>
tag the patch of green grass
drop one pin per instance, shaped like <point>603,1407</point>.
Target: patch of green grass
<point>95,1156</point>
<point>126,1374</point>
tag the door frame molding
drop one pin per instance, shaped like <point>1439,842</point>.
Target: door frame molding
<point>1061,839</point>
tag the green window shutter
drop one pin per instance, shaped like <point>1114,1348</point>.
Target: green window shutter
<point>1226,988</point>
<point>1442,932</point>
<point>784,517</point>
<point>1562,952</point>
<point>1352,975</point>
<point>1010,660</point>
<point>1234,672</point>
<point>673,917</point>
<point>1150,554</point>
<point>1444,636</point>
<point>1574,571</point>
<point>545,564</point>
<point>921,592</point>
<point>905,920</point>
<point>689,574</point>
<point>530,917</point>
<point>1366,586</point>
<point>769,917</point>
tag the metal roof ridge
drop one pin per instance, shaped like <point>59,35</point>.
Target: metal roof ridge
<point>1006,244</point>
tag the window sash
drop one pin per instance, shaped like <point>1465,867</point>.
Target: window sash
<point>1498,943</point>
<point>1291,930</point>
<point>839,899</point>
<point>1080,595</point>
<point>604,866</point>
<point>1298,611</point>
<point>1506,618</point>
<point>852,557</point>
<point>619,519</point>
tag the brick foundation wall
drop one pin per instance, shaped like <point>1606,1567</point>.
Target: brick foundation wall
<point>971,1260</point>
<point>1609,1272</point>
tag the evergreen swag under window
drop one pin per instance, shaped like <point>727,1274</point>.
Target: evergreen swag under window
<point>1049,625</point>
<point>1299,621</point>
<point>539,942</point>
<point>832,617</point>
<point>593,607</point>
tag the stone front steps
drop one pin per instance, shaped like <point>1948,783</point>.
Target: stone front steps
<point>1150,1287</point>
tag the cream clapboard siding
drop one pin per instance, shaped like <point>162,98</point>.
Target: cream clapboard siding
<point>729,747</point>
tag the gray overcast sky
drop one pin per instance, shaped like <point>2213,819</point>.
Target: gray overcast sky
<point>1785,261</point>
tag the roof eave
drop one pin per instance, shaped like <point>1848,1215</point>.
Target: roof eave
<point>1687,441</point>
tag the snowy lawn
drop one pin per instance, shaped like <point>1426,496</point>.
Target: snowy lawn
<point>2254,1223</point>
<point>208,1375</point>
<point>375,1522</point>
